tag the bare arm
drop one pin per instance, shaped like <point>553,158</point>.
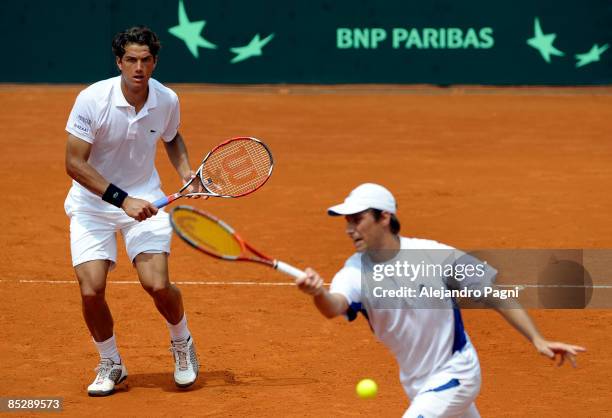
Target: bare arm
<point>329,304</point>
<point>77,167</point>
<point>516,316</point>
<point>177,154</point>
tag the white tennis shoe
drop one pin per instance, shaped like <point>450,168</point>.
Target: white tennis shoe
<point>186,366</point>
<point>109,375</point>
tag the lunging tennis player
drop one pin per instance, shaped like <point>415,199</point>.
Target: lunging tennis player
<point>439,367</point>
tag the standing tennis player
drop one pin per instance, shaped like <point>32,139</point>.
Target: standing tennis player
<point>439,368</point>
<point>113,131</point>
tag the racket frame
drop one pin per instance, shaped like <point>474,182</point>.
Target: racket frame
<point>260,258</point>
<point>244,246</point>
<point>164,201</point>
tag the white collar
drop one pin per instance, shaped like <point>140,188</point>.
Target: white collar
<point>120,101</point>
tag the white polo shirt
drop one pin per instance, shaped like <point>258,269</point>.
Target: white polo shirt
<point>430,345</point>
<point>123,143</point>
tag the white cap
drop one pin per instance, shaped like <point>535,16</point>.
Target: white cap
<point>365,196</point>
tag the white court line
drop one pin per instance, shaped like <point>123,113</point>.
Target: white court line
<point>243,283</point>
<point>234,283</point>
<point>595,286</point>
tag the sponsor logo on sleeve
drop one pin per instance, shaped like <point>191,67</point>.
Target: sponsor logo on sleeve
<point>82,124</point>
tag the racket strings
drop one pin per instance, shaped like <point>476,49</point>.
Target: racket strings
<point>205,233</point>
<point>237,167</point>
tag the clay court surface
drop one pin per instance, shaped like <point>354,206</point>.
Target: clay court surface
<point>471,167</point>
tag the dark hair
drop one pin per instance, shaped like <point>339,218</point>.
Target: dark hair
<point>140,35</point>
<point>394,224</point>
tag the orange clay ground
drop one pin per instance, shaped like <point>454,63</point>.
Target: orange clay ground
<point>471,167</point>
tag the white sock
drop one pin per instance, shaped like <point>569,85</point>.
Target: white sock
<point>108,349</point>
<point>179,331</point>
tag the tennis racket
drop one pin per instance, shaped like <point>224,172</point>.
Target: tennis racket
<point>235,168</point>
<point>214,237</point>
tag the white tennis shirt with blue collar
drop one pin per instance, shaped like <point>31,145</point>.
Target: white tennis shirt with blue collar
<point>430,345</point>
<point>123,142</point>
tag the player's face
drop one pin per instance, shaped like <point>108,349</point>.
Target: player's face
<point>136,65</point>
<point>365,231</point>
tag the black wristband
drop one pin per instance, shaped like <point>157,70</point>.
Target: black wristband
<point>114,195</point>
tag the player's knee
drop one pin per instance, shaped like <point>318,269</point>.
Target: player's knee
<point>92,280</point>
<point>92,296</point>
<point>92,290</point>
<point>157,288</point>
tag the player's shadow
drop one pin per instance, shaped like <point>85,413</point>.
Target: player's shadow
<point>163,381</point>
<point>209,379</point>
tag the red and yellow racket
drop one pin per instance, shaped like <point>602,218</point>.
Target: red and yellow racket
<point>214,237</point>
<point>234,168</point>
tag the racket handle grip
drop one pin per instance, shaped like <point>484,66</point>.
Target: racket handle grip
<point>164,201</point>
<point>289,269</point>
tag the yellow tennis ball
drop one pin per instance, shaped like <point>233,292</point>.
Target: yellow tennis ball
<point>366,389</point>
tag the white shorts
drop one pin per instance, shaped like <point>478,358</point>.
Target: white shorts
<point>93,236</point>
<point>451,392</point>
<point>455,398</point>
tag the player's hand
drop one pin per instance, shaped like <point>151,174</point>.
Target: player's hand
<point>195,187</point>
<point>553,349</point>
<point>138,209</point>
<point>311,284</point>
